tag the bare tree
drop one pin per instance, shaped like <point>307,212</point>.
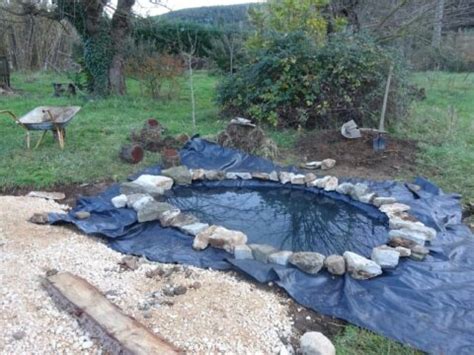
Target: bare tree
<point>438,24</point>
<point>188,51</point>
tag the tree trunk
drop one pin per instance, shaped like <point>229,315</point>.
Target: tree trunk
<point>119,32</point>
<point>438,24</point>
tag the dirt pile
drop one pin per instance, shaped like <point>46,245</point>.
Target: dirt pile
<point>248,138</point>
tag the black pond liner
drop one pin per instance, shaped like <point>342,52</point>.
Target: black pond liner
<point>428,305</point>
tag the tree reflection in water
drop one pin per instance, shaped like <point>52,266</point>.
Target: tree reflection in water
<point>285,218</point>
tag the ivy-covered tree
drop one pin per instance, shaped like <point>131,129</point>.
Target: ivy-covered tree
<point>103,38</point>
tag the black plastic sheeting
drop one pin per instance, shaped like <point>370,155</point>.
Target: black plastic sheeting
<point>428,304</point>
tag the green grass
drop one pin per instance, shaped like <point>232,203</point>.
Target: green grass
<point>94,137</point>
<point>444,126</point>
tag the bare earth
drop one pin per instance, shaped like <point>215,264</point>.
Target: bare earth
<point>219,312</point>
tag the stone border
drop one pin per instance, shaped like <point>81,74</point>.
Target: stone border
<point>407,235</point>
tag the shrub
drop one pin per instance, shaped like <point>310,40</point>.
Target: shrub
<point>294,82</point>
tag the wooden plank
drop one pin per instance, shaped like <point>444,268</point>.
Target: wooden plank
<point>119,333</point>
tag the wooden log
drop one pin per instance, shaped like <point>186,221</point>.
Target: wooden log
<point>117,332</point>
<point>132,154</point>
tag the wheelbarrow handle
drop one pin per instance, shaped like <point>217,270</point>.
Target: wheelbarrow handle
<point>13,116</point>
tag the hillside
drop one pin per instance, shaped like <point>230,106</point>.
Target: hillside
<point>213,15</point>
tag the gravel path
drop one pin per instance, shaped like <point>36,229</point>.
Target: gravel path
<point>218,313</point>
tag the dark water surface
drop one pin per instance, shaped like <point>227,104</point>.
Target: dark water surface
<point>285,218</point>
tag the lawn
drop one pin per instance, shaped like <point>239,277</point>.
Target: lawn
<point>95,135</point>
<point>443,123</point>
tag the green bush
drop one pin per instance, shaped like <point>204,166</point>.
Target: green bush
<point>294,82</point>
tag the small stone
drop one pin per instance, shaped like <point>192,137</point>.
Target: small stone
<point>335,264</point>
<point>47,195</point>
<point>219,237</point>
<point>361,268</point>
<point>393,208</point>
<point>242,252</point>
<point>419,252</point>
<point>234,176</point>
<point>320,183</point>
<point>345,188</point>
<point>417,237</point>
<point>180,290</point>
<point>312,165</point>
<point>404,252</point>
<point>119,201</point>
<point>130,188</point>
<point>309,262</point>
<point>387,258</point>
<point>129,263</point>
<point>298,179</point>
<point>194,229</point>
<point>401,242</point>
<point>147,314</point>
<point>143,306</point>
<point>154,210</point>
<point>398,223</point>
<point>260,176</point>
<point>138,204</point>
<point>285,177</point>
<point>261,252</point>
<point>153,273</point>
<point>214,175</point>
<point>359,190</point>
<point>198,174</point>
<point>166,218</point>
<point>39,218</point>
<point>195,285</point>
<point>184,219</point>
<point>180,175</point>
<point>155,181</point>
<point>327,164</point>
<point>368,197</point>
<point>331,184</point>
<point>273,176</point>
<point>309,178</point>
<point>280,257</point>
<point>82,215</point>
<point>19,335</point>
<point>315,343</point>
<point>380,200</point>
<point>131,199</point>
<point>87,345</point>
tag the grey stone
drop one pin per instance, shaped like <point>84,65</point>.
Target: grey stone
<point>327,164</point>
<point>312,165</point>
<point>235,176</point>
<point>129,262</point>
<point>359,190</point>
<point>39,218</point>
<point>386,257</point>
<point>180,290</point>
<point>361,268</point>
<point>298,179</point>
<point>153,210</point>
<point>380,200</point>
<point>18,335</point>
<point>309,262</point>
<point>401,242</point>
<point>131,188</point>
<point>345,188</point>
<point>398,223</point>
<point>242,252</point>
<point>214,175</point>
<point>166,217</point>
<point>331,184</point>
<point>417,237</point>
<point>273,176</point>
<point>194,229</point>
<point>155,181</point>
<point>394,208</point>
<point>261,252</point>
<point>280,257</point>
<point>309,178</point>
<point>82,214</point>
<point>320,183</point>
<point>184,219</point>
<point>315,343</point>
<point>138,204</point>
<point>180,174</point>
<point>404,252</point>
<point>419,252</point>
<point>198,174</point>
<point>285,177</point>
<point>335,264</point>
<point>119,201</point>
<point>219,237</point>
<point>131,199</point>
<point>261,176</point>
<point>368,197</point>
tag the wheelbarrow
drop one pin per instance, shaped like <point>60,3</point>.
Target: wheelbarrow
<point>46,118</point>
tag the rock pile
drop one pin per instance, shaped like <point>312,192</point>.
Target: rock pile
<point>407,235</point>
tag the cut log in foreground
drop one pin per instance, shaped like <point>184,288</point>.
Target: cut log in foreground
<point>118,333</point>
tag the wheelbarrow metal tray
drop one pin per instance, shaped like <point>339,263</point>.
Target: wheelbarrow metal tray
<point>44,118</point>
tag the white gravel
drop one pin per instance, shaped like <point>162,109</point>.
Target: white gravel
<point>224,315</point>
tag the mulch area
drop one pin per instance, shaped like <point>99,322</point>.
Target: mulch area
<point>356,157</point>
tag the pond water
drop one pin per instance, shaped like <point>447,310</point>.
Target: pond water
<point>288,219</point>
